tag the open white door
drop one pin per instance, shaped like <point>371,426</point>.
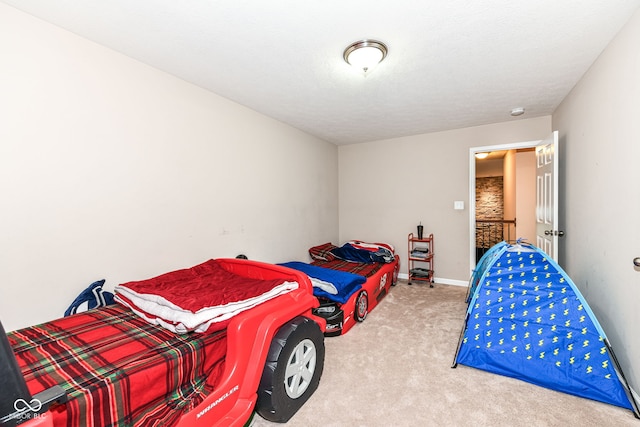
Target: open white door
<point>547,232</point>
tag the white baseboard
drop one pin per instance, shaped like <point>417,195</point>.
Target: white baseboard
<point>440,280</point>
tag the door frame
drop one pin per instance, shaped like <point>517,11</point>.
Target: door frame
<point>472,189</point>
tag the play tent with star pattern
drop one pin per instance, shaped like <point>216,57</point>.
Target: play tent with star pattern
<point>526,319</point>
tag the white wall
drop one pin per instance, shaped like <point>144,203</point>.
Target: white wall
<point>526,195</point>
<point>387,187</point>
<point>509,183</point>
<point>486,168</point>
<point>112,169</point>
<point>599,129</point>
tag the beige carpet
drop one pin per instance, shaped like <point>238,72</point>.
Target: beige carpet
<point>394,369</point>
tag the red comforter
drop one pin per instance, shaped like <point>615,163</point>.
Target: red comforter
<point>193,299</point>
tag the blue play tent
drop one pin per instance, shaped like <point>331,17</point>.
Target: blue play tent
<point>526,319</point>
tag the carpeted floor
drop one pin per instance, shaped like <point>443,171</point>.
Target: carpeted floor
<point>394,369</point>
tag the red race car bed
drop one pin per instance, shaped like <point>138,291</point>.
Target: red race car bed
<point>134,364</point>
<point>349,281</point>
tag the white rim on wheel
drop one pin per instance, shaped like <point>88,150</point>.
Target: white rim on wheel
<point>362,306</point>
<point>300,368</point>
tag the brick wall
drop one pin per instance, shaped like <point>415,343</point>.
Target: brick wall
<point>489,205</point>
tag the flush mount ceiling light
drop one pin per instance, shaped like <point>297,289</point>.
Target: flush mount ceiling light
<point>365,54</point>
<point>517,111</point>
<point>481,156</point>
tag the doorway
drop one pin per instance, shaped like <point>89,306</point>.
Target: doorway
<point>505,228</point>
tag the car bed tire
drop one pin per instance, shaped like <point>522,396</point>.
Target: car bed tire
<point>394,280</point>
<point>362,306</point>
<point>279,397</point>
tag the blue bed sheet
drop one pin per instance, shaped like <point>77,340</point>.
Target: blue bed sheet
<point>346,283</point>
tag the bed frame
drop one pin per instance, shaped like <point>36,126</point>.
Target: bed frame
<point>342,317</point>
<point>249,341</point>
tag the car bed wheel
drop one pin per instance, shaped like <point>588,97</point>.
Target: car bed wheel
<point>292,371</point>
<point>362,306</point>
<point>394,281</point>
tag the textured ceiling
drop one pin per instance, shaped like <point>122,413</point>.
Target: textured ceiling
<point>451,64</point>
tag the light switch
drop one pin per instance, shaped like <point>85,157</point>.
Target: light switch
<point>458,205</point>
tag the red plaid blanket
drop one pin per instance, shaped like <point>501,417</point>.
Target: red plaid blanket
<point>117,369</point>
<point>362,269</point>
